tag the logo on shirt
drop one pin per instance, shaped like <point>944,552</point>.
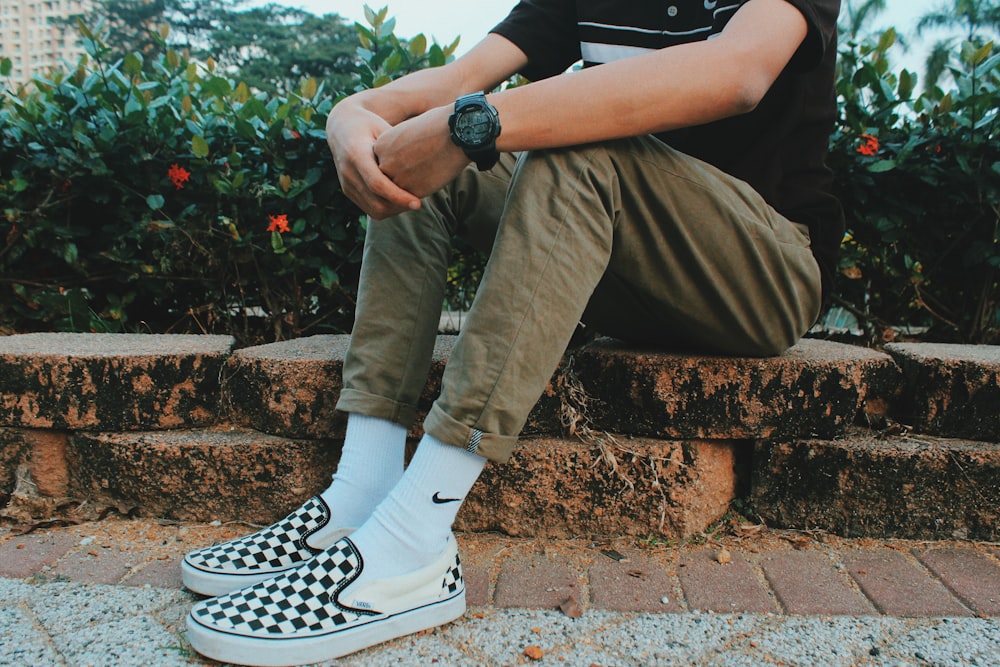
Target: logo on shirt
<point>710,4</point>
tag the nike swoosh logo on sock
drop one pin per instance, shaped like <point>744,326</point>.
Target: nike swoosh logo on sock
<point>438,500</point>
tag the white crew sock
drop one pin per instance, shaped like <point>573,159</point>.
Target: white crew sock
<point>410,528</point>
<point>371,464</point>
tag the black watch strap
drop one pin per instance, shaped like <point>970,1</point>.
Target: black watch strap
<point>485,158</point>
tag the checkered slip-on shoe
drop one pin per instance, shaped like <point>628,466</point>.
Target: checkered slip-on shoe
<point>315,612</point>
<point>242,562</point>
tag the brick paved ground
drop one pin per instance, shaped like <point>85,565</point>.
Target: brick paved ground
<point>771,572</point>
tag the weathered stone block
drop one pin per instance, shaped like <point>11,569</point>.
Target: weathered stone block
<point>912,487</point>
<point>291,388</point>
<point>110,381</point>
<point>288,388</point>
<point>201,475</point>
<point>564,488</point>
<point>12,452</point>
<point>816,388</point>
<point>950,390</point>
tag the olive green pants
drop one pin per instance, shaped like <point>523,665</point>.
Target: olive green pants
<point>631,237</point>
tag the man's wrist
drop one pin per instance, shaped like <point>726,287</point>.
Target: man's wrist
<point>474,126</point>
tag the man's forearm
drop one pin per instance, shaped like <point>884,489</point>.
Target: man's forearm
<point>488,64</point>
<point>690,84</point>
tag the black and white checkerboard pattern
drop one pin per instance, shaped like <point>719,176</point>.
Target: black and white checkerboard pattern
<point>276,548</point>
<point>301,602</point>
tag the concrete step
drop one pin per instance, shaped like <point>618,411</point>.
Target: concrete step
<point>949,390</point>
<point>221,473</point>
<point>622,442</point>
<point>910,486</point>
<point>110,382</point>
<point>291,388</point>
<point>608,486</point>
<point>816,388</point>
<point>551,488</point>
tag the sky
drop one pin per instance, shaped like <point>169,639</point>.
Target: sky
<point>472,19</point>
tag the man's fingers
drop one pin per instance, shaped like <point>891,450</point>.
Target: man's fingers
<point>385,194</point>
<point>377,206</point>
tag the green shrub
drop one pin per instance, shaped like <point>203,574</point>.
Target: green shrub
<point>171,198</point>
<point>919,176</point>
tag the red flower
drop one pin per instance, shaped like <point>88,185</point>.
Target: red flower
<point>179,175</point>
<point>870,146</point>
<point>279,223</point>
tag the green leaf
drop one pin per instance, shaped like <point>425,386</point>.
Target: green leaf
<point>277,243</point>
<point>245,129</point>
<point>887,39</point>
<point>132,64</point>
<point>309,87</point>
<point>882,166</point>
<point>436,57</point>
<point>418,46</point>
<point>974,56</point>
<point>991,63</point>
<point>199,146</point>
<point>70,253</point>
<point>907,82</point>
<point>155,202</point>
<point>6,66</point>
<point>328,277</point>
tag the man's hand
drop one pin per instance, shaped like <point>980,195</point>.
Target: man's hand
<point>413,108</point>
<point>351,132</point>
<point>418,154</point>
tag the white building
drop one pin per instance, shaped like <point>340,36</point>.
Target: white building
<point>33,36</point>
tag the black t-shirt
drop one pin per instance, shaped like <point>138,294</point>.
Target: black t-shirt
<point>779,148</point>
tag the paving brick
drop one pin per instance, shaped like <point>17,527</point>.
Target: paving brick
<point>92,565</point>
<point>808,583</point>
<point>866,485</point>
<point>220,473</point>
<point>477,585</point>
<point>24,555</point>
<point>164,573</point>
<point>816,387</point>
<point>565,488</point>
<point>731,587</point>
<point>950,390</point>
<point>898,586</point>
<point>110,381</point>
<point>638,584</point>
<point>536,583</point>
<point>973,576</point>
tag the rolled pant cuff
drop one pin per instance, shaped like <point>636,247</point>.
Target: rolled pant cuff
<point>371,405</point>
<point>491,446</point>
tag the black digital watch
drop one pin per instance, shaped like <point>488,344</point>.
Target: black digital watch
<point>474,127</point>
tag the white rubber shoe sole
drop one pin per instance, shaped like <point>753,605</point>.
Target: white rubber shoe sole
<point>321,610</point>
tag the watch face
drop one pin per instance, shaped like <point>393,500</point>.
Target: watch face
<point>474,127</point>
